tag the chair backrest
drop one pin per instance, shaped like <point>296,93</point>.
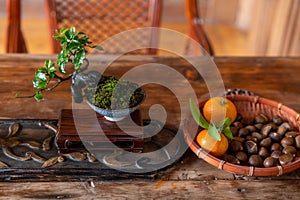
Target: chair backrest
<point>100,19</point>
<point>196,30</point>
<point>14,41</point>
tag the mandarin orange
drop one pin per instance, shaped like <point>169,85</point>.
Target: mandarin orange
<point>217,109</point>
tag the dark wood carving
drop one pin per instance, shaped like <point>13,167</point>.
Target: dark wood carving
<point>26,156</point>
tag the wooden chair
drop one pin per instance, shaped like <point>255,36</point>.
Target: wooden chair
<point>100,19</point>
<point>196,30</point>
<point>14,41</point>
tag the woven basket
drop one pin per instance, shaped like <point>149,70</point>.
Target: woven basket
<point>248,107</point>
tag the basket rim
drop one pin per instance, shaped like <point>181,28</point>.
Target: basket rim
<point>243,169</point>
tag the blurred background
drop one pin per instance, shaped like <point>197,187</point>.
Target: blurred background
<point>235,27</point>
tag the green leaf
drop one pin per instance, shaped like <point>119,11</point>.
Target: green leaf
<point>18,94</point>
<point>38,96</point>
<point>35,82</point>
<point>52,69</point>
<point>41,70</point>
<point>48,64</point>
<point>62,59</point>
<point>39,83</point>
<point>225,122</point>
<point>63,30</point>
<point>227,132</point>
<point>78,59</point>
<point>214,132</point>
<point>41,76</point>
<point>197,115</point>
<point>62,68</point>
<point>73,46</point>
<point>58,37</point>
<point>52,75</point>
<point>97,47</point>
<point>83,40</point>
<point>68,34</point>
<point>42,85</point>
<point>73,29</point>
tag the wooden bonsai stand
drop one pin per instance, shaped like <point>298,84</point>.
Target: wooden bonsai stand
<point>68,140</point>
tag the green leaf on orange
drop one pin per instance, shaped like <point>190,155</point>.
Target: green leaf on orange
<point>214,132</point>
<point>197,115</point>
<point>225,122</point>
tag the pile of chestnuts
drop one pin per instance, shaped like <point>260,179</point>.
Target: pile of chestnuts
<point>263,142</point>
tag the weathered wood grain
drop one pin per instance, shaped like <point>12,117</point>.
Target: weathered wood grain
<point>217,189</point>
<point>276,78</point>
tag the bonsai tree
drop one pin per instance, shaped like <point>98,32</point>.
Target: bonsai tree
<point>74,49</point>
<point>98,89</point>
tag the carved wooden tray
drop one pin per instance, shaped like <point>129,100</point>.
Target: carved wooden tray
<point>29,153</point>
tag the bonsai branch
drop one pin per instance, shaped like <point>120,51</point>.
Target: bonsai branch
<point>73,51</point>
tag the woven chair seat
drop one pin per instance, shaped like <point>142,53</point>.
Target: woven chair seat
<point>102,19</point>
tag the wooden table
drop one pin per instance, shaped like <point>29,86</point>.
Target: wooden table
<point>273,78</point>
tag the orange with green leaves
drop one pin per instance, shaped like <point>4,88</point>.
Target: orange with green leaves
<point>215,134</point>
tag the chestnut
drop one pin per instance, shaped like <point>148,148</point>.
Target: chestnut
<point>287,141</point>
<point>240,139</point>
<point>242,156</point>
<point>237,124</point>
<point>231,159</point>
<point>261,118</point>
<point>263,152</point>
<point>234,130</point>
<point>276,147</point>
<point>281,130</point>
<point>286,125</point>
<point>277,120</point>
<point>258,126</point>
<point>292,134</point>
<point>273,126</point>
<point>275,136</point>
<point>251,128</point>
<point>270,162</point>
<point>265,130</point>
<point>266,142</point>
<point>289,149</point>
<point>286,158</point>
<point>258,135</point>
<point>250,137</point>
<point>236,146</point>
<point>243,132</point>
<point>255,160</point>
<point>276,154</point>
<point>251,147</point>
